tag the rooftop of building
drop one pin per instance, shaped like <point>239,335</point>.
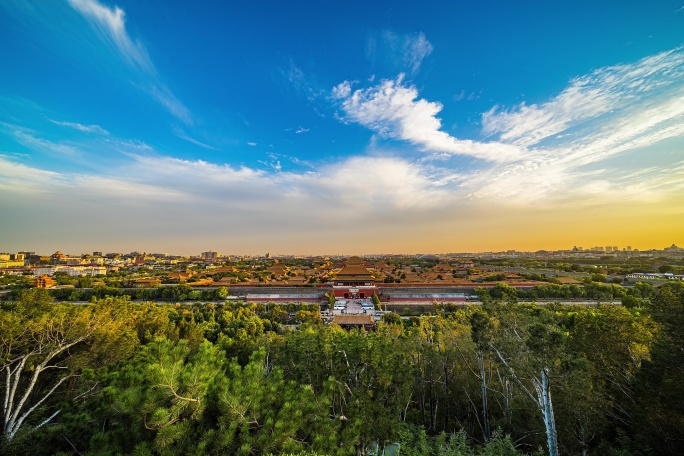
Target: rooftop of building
<point>353,320</point>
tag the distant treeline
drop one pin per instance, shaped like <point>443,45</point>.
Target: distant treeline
<point>588,290</point>
<point>175,293</point>
<point>180,293</point>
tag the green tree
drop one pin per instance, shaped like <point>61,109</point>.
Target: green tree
<point>660,391</point>
<point>376,301</point>
<point>481,334</point>
<point>530,347</point>
<point>43,346</point>
<point>221,293</point>
<point>665,268</point>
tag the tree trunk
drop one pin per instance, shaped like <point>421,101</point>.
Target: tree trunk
<point>547,409</point>
<point>485,411</point>
<point>447,410</point>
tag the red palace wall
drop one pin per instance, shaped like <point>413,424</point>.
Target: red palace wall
<point>430,300</point>
<point>352,291</point>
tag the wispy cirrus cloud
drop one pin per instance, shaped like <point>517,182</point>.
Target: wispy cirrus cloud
<point>92,129</point>
<point>302,82</point>
<point>618,111</point>
<point>111,22</point>
<point>33,141</point>
<point>179,132</point>
<point>588,98</point>
<point>167,99</point>
<point>392,109</point>
<point>111,25</point>
<point>415,49</point>
<point>404,52</point>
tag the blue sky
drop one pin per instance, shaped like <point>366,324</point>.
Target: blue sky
<point>363,127</point>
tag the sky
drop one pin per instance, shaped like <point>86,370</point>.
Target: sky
<point>340,128</point>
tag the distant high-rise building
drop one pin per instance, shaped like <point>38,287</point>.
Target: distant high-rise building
<point>209,255</point>
<point>629,248</point>
<point>97,254</point>
<point>609,248</point>
<point>615,248</point>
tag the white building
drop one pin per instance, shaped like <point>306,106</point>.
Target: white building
<point>73,271</point>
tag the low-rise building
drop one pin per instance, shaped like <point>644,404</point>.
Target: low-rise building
<point>72,270</point>
<point>44,282</point>
<point>349,322</point>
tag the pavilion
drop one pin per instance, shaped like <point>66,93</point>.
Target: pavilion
<point>354,281</point>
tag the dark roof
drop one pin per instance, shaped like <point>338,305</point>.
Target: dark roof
<point>436,296</point>
<point>354,271</point>
<point>354,261</point>
<point>353,320</point>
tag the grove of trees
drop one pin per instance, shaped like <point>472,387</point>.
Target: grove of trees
<point>116,377</point>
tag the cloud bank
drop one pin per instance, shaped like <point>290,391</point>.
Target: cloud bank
<point>392,110</point>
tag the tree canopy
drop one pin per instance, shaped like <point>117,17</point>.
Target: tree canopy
<point>116,377</point>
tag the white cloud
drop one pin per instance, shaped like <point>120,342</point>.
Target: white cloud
<point>587,98</point>
<point>570,150</point>
<point>31,140</point>
<point>392,109</point>
<point>17,177</point>
<point>301,130</point>
<point>94,129</point>
<point>388,184</point>
<point>416,48</point>
<point>111,24</point>
<point>342,90</point>
<point>548,151</point>
<point>613,112</point>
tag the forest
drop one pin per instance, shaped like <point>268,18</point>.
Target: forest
<point>120,377</point>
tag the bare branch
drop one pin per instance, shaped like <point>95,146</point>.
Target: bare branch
<point>36,405</point>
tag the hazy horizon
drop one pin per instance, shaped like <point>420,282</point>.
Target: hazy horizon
<point>48,251</point>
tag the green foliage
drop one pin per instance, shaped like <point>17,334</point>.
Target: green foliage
<point>495,278</point>
<point>376,301</point>
<point>660,398</point>
<point>414,440</point>
<point>223,378</point>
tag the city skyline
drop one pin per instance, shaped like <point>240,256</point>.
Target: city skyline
<point>309,129</point>
<point>213,254</point>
